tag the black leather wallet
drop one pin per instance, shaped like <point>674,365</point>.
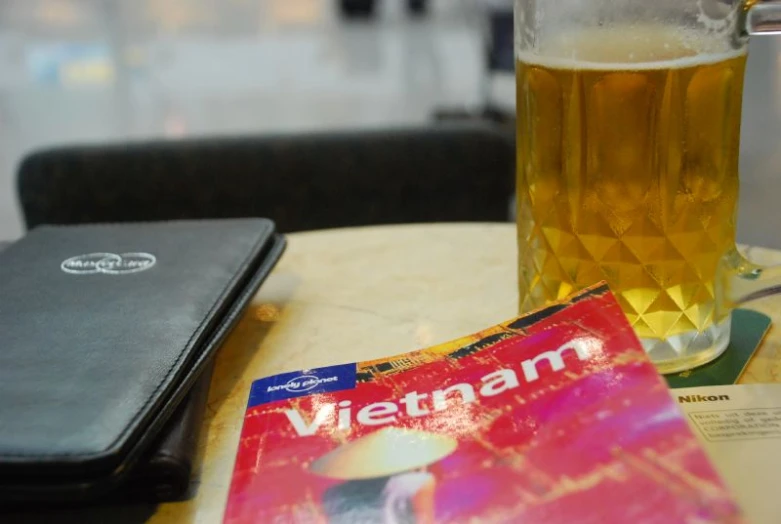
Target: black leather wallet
<point>104,329</point>
<point>163,474</point>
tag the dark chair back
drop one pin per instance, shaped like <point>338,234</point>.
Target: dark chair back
<point>310,181</point>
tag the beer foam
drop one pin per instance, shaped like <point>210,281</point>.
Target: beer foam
<point>631,48</point>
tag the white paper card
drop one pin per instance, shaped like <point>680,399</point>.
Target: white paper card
<point>740,427</point>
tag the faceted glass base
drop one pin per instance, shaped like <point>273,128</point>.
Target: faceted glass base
<point>688,350</point>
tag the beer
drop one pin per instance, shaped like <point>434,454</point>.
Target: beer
<point>628,172</point>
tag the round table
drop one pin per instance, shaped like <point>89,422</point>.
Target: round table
<point>347,295</point>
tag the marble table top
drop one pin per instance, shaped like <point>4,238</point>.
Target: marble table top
<point>341,296</point>
<point>346,295</point>
<point>356,294</point>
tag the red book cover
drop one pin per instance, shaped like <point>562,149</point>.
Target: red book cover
<point>554,417</point>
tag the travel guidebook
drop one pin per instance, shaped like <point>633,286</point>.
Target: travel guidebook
<point>554,417</point>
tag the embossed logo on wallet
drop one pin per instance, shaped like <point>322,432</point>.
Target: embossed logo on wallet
<point>108,263</point>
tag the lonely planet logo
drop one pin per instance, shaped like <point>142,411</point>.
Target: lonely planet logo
<point>108,263</point>
<point>302,383</point>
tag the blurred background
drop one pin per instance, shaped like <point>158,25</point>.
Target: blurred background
<point>95,71</point>
<point>108,71</point>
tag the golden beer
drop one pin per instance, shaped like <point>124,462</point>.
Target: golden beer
<point>628,172</point>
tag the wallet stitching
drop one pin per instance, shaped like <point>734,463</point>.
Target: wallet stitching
<point>248,258</point>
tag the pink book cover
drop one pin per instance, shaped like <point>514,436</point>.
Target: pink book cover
<point>553,417</point>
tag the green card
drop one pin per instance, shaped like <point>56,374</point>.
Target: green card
<point>748,330</point>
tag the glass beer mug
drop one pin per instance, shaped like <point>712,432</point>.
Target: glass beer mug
<point>628,136</point>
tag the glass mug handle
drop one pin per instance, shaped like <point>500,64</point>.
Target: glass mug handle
<point>745,280</point>
<point>761,17</point>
